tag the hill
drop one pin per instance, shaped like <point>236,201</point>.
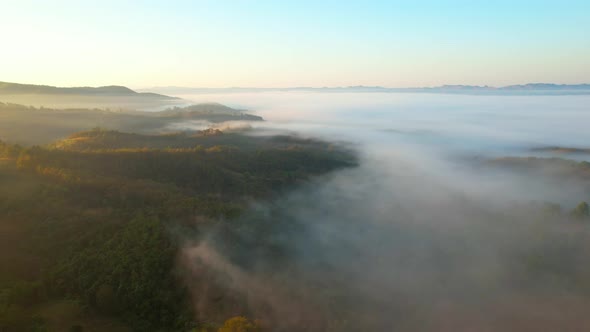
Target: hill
<point>115,97</point>
<point>30,125</point>
<point>553,167</point>
<point>100,139</point>
<point>561,150</point>
<point>7,88</point>
<point>211,112</point>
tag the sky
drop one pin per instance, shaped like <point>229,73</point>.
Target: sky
<point>262,43</point>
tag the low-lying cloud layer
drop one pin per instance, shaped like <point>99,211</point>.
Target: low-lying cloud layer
<point>416,238</point>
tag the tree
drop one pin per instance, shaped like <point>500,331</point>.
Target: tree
<point>240,324</point>
<point>581,211</point>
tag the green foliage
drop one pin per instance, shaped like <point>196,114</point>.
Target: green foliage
<point>581,211</point>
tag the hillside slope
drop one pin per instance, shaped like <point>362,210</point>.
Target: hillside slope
<point>90,236</point>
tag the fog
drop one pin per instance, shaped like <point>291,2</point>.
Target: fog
<point>420,236</point>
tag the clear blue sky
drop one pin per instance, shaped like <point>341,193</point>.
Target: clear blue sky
<point>220,43</point>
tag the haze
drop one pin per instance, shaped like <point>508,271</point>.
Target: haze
<point>419,237</point>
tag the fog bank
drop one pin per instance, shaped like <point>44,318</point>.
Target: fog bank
<point>418,237</point>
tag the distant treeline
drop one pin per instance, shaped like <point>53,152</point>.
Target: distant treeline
<point>28,125</point>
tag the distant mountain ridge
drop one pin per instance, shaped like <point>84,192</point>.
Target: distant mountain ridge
<point>530,88</point>
<point>7,88</point>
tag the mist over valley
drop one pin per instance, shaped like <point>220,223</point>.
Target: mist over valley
<point>295,166</point>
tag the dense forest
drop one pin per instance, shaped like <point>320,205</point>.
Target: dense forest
<point>91,225</point>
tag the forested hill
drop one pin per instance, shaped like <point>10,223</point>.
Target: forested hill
<point>113,96</point>
<point>99,139</point>
<point>27,125</point>
<point>212,112</point>
<point>90,227</point>
<point>111,90</point>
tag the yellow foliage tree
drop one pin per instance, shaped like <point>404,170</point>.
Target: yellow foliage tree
<point>239,324</point>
